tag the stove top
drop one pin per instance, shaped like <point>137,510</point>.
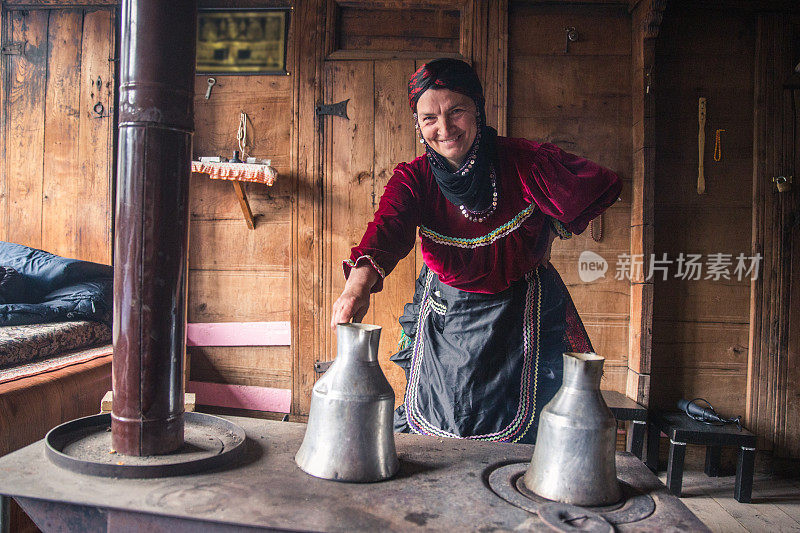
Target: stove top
<point>443,484</point>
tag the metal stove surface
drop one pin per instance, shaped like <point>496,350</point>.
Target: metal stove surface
<point>443,484</point>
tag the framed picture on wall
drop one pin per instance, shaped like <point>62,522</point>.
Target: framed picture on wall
<point>242,41</point>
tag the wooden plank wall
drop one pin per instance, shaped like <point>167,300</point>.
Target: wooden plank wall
<point>700,328</point>
<point>581,102</point>
<point>237,274</point>
<point>307,326</point>
<point>56,180</point>
<point>646,19</point>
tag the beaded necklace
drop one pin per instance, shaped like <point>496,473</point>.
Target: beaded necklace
<point>469,162</point>
<point>480,216</point>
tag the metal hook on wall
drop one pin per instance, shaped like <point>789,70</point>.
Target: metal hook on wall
<point>572,36</point>
<point>98,111</point>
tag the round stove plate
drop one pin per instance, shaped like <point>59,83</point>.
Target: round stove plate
<point>83,445</point>
<point>506,482</point>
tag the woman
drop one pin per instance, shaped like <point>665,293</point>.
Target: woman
<point>484,335</point>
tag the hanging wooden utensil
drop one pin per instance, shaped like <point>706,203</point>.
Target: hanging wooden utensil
<point>701,145</point>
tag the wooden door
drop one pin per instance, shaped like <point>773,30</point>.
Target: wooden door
<point>57,131</point>
<point>360,155</point>
<point>773,395</point>
<point>367,52</point>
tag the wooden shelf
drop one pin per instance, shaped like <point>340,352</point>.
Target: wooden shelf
<point>237,173</point>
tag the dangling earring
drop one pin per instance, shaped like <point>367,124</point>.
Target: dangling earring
<point>416,127</point>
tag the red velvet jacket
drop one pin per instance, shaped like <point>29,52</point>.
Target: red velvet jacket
<point>535,181</point>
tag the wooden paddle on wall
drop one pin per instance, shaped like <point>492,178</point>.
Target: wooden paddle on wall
<point>701,145</point>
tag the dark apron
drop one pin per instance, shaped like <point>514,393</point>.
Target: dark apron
<point>482,366</point>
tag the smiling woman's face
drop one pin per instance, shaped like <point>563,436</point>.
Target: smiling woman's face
<point>449,122</point>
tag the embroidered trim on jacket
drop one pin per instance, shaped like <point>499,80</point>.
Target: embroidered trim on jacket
<point>560,229</point>
<point>353,264</point>
<point>486,240</point>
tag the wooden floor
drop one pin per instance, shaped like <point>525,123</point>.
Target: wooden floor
<point>775,506</point>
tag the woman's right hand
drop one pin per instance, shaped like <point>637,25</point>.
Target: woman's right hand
<point>354,300</point>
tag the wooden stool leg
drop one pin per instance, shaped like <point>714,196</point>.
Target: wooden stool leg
<point>636,438</point>
<point>653,434</point>
<point>5,514</point>
<point>712,460</point>
<point>743,489</point>
<point>677,452</point>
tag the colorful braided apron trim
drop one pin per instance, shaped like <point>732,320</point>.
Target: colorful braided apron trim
<point>526,409</point>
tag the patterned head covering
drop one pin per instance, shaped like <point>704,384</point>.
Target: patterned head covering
<point>469,187</point>
<point>445,73</point>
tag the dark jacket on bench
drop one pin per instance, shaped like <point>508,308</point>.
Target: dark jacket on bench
<point>38,287</point>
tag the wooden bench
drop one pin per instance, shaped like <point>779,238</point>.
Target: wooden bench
<point>627,410</point>
<point>682,430</point>
<point>32,405</point>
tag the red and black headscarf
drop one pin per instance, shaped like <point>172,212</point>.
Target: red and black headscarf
<point>445,73</point>
<point>468,186</point>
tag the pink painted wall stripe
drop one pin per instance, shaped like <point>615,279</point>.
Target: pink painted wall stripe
<point>241,396</point>
<point>238,334</point>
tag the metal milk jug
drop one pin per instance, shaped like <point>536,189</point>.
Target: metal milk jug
<point>350,433</point>
<point>573,461</point>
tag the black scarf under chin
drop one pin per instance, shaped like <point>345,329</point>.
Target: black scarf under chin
<point>469,186</point>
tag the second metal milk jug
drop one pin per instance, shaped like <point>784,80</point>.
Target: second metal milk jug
<point>573,461</point>
<point>350,433</point>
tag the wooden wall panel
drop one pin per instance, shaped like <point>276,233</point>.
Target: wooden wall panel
<point>490,59</point>
<point>645,21</point>
<point>679,191</point>
<point>721,385</point>
<point>609,336</point>
<point>237,248</point>
<point>395,139</point>
<point>581,102</point>
<point>772,399</point>
<point>700,327</point>
<point>610,37</point>
<point>262,366</point>
<point>605,297</point>
<point>58,156</point>
<point>702,301</point>
<point>349,175</point>
<point>401,28</point>
<point>614,375</point>
<point>237,274</point>
<point>308,324</point>
<point>790,442</point>
<point>703,345</point>
<point>24,128</point>
<point>267,102</point>
<point>213,200</point>
<point>93,202</point>
<point>61,183</point>
<point>238,296</point>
